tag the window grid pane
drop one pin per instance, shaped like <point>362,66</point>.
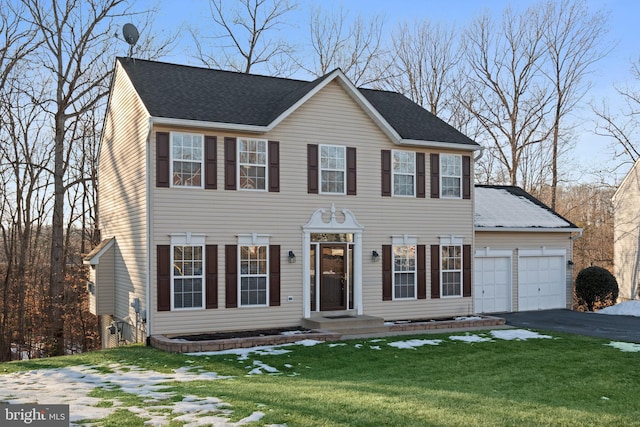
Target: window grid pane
<point>187,276</point>
<point>404,271</point>
<point>252,154</point>
<point>332,169</point>
<point>451,270</point>
<point>403,173</point>
<point>187,153</point>
<point>253,275</point>
<point>451,175</point>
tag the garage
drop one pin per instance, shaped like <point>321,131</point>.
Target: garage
<point>541,280</point>
<point>523,252</point>
<point>492,283</point>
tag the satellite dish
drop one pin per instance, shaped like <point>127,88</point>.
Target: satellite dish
<point>130,33</point>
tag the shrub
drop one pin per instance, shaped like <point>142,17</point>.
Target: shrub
<point>596,285</point>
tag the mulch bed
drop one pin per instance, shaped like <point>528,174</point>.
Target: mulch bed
<point>240,334</point>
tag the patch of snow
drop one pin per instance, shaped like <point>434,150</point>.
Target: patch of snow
<point>289,333</point>
<point>625,346</point>
<point>626,308</point>
<point>413,344</point>
<point>339,344</point>
<point>497,207</point>
<point>468,318</point>
<point>518,334</point>
<point>469,338</point>
<point>262,366</point>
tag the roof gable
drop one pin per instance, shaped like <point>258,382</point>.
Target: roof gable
<point>258,103</point>
<point>510,207</point>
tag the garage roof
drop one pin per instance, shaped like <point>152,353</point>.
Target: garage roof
<point>510,208</point>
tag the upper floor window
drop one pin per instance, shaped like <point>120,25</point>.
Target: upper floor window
<point>403,169</point>
<point>404,271</point>
<point>252,155</point>
<point>451,175</point>
<point>332,169</point>
<point>186,159</point>
<point>451,270</point>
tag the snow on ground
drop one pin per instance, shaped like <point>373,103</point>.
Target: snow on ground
<point>625,346</point>
<point>413,344</point>
<point>627,308</point>
<point>469,338</point>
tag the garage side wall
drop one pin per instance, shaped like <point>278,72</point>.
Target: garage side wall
<point>527,243</point>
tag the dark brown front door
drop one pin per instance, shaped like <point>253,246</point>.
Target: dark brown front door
<point>333,281</point>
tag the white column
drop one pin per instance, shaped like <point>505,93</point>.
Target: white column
<point>357,272</point>
<point>306,275</point>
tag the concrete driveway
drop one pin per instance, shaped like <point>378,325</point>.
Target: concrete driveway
<point>613,327</point>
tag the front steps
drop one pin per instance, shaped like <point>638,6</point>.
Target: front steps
<point>346,323</point>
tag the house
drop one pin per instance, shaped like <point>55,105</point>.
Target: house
<point>523,257</point>
<point>626,235</point>
<point>231,201</point>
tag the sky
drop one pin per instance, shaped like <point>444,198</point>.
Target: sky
<point>73,385</point>
<point>592,152</point>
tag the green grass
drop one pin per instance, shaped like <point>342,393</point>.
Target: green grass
<point>566,381</point>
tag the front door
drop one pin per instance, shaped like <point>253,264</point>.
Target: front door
<point>333,280</point>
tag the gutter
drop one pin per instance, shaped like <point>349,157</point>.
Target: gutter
<point>532,230</point>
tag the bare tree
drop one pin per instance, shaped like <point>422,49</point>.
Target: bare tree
<point>573,38</point>
<point>353,46</point>
<point>424,65</point>
<point>240,39</point>
<point>623,125</point>
<point>510,102</point>
<point>77,37</point>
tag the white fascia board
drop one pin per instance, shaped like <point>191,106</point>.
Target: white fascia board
<point>210,125</point>
<point>530,229</point>
<point>439,144</point>
<point>95,259</point>
<point>624,180</point>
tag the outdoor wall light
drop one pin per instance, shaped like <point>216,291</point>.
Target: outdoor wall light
<point>374,256</point>
<point>570,262</point>
<point>292,257</point>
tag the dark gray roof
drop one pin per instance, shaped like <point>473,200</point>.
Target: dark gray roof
<point>193,93</point>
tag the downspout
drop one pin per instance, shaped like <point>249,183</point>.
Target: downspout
<point>479,155</point>
<point>148,244</point>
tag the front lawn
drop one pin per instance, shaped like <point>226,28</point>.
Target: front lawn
<point>475,380</point>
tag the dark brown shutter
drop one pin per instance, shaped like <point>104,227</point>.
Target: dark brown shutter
<point>422,271</point>
<point>163,271</point>
<point>274,166</point>
<point>351,171</point>
<point>435,176</point>
<point>435,271</point>
<point>386,173</point>
<point>162,159</point>
<point>230,163</point>
<point>210,163</point>
<point>274,275</point>
<point>421,192</point>
<point>387,282</point>
<point>466,270</point>
<point>231,275</point>
<point>466,177</point>
<point>312,169</point>
<point>211,256</point>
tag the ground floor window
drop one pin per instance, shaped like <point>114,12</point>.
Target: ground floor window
<point>451,270</point>
<point>188,276</point>
<point>404,271</point>
<point>253,275</point>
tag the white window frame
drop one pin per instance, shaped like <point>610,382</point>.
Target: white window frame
<point>173,159</point>
<point>329,169</point>
<point>443,270</point>
<point>443,176</point>
<point>404,241</point>
<point>241,164</point>
<point>253,239</point>
<point>394,173</point>
<point>185,240</point>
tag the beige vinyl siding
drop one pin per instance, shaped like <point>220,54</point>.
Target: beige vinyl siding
<point>330,117</point>
<point>122,195</point>
<point>626,235</point>
<point>515,241</point>
<point>104,280</point>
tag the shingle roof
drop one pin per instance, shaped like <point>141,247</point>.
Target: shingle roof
<point>506,206</point>
<point>202,94</point>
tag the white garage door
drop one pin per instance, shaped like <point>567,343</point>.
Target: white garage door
<point>492,280</point>
<point>541,282</point>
